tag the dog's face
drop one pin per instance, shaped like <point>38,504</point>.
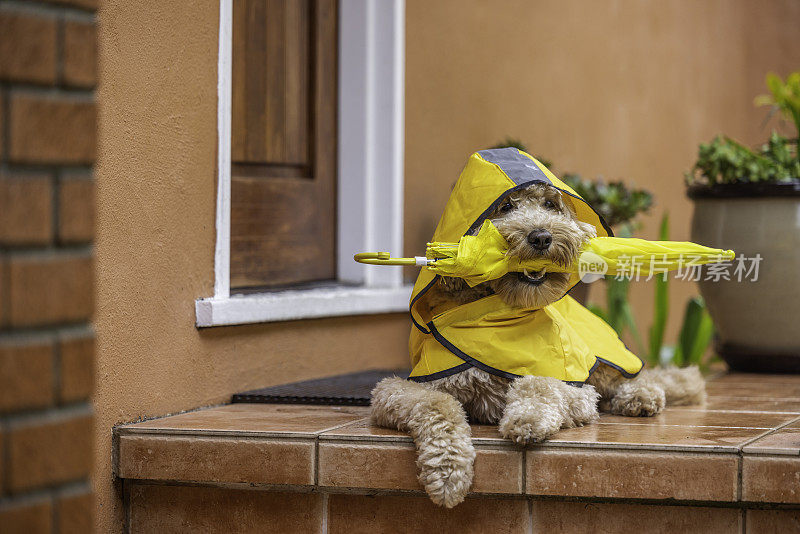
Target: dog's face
<point>537,222</point>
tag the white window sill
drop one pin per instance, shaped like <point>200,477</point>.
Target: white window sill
<point>300,304</point>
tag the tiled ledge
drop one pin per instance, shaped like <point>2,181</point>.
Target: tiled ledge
<point>742,447</point>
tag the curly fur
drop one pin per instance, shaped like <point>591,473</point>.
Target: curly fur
<point>529,409</point>
<point>438,425</point>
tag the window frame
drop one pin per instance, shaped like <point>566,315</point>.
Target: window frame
<point>371,87</point>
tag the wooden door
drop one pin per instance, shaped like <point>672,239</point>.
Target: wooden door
<point>283,188</point>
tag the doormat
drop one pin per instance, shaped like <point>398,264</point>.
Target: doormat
<point>342,390</point>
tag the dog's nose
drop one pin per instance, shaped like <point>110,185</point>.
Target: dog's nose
<point>540,239</point>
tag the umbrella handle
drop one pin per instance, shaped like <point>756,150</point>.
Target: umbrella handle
<point>384,258</point>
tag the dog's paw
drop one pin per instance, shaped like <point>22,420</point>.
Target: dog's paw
<point>638,399</point>
<point>582,405</point>
<point>524,425</point>
<point>445,464</point>
<point>447,483</point>
<point>682,386</point>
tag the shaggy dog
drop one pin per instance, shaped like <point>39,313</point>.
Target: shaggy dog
<point>536,222</point>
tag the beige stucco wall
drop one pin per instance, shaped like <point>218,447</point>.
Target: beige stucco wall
<point>625,89</point>
<point>155,243</point>
<point>619,88</point>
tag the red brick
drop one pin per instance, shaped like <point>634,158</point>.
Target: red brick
<point>80,54</point>
<point>3,292</point>
<point>2,126</point>
<point>47,129</point>
<point>49,289</point>
<point>27,518</point>
<point>2,464</point>
<point>76,211</point>
<point>84,4</point>
<point>75,514</point>
<point>27,48</point>
<point>49,452</point>
<point>26,375</point>
<point>26,210</point>
<point>77,368</point>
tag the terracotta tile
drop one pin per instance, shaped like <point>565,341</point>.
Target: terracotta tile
<point>784,441</point>
<point>202,509</point>
<point>772,521</point>
<point>278,419</point>
<point>355,514</point>
<point>393,467</point>
<point>705,418</point>
<point>770,479</point>
<point>756,379</point>
<point>364,430</point>
<point>379,466</point>
<point>553,517</point>
<point>626,474</point>
<point>487,434</point>
<point>777,390</point>
<point>747,404</point>
<point>216,459</point>
<point>497,471</point>
<point>655,437</point>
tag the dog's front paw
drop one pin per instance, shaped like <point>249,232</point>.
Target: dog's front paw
<point>524,424</point>
<point>445,466</point>
<point>638,399</point>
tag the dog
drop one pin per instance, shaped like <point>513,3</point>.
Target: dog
<point>536,222</point>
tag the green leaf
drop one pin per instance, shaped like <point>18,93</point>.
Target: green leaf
<point>696,333</point>
<point>705,333</point>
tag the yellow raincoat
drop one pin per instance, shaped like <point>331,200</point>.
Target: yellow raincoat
<point>563,340</point>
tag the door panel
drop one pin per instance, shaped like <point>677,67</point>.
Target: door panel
<point>283,225</point>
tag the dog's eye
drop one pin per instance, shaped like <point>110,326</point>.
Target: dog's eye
<point>549,204</point>
<point>508,206</point>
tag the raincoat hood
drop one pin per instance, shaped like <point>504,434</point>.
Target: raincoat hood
<point>562,340</point>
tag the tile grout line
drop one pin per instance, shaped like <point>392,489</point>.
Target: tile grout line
<point>325,506</point>
<point>525,471</point>
<point>740,479</point>
<point>342,425</point>
<point>316,462</point>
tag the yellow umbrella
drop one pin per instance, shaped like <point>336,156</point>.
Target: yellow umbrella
<point>484,256</point>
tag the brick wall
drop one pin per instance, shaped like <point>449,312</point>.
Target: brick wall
<point>47,147</point>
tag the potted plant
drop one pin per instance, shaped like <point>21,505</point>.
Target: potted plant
<point>748,200</point>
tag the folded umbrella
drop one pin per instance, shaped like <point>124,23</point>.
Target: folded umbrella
<point>484,256</point>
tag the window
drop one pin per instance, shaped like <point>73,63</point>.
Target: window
<point>310,159</point>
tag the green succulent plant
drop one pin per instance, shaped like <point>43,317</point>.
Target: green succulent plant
<point>725,161</point>
<point>616,202</point>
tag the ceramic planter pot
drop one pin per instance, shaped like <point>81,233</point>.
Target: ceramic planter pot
<point>757,322</point>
